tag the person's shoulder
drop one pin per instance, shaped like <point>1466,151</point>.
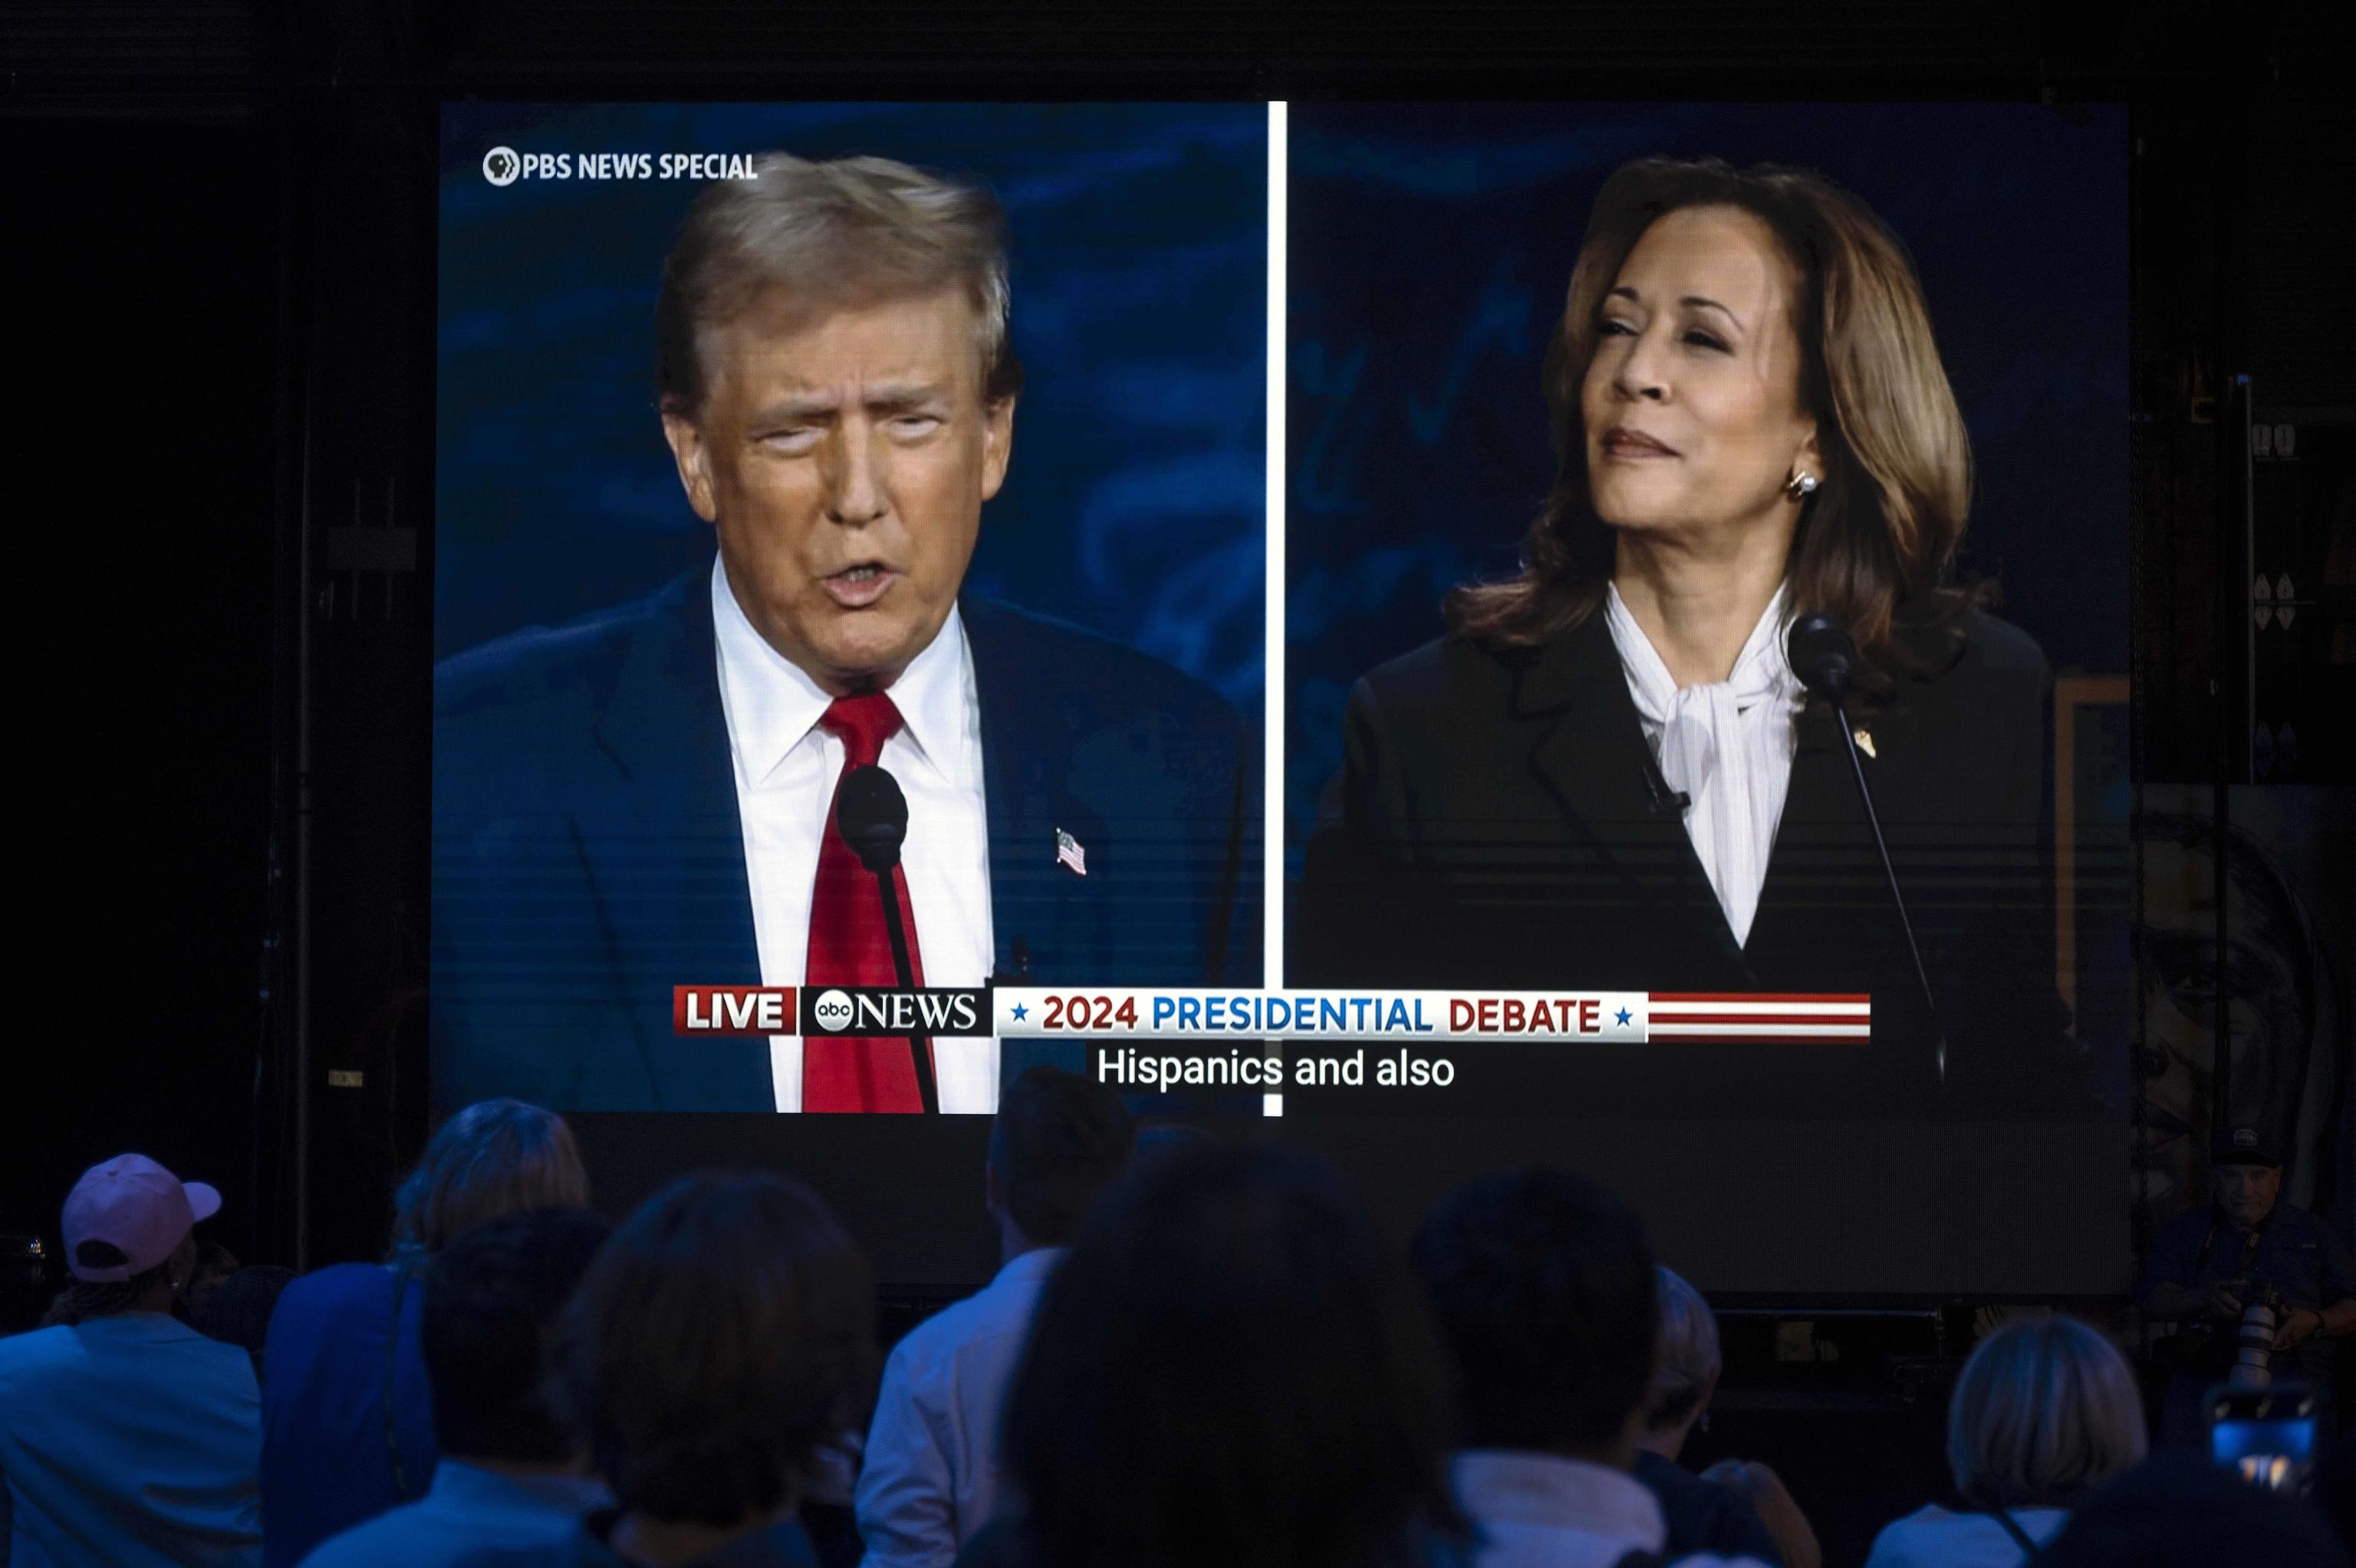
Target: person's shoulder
<point>385,1539</point>
<point>27,1354</point>
<point>933,1346</point>
<point>1446,679</point>
<point>336,1287</point>
<point>541,666</point>
<point>317,1309</point>
<point>2301,1223</point>
<point>1056,661</point>
<point>1663,1475</point>
<point>1904,1543</point>
<point>1974,648</point>
<point>2003,650</point>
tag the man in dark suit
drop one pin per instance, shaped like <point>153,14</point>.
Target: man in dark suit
<point>643,798</point>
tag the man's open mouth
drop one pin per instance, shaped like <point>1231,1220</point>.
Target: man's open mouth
<point>856,587</point>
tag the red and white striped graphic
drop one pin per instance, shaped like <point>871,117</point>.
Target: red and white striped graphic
<point>1702,1018</point>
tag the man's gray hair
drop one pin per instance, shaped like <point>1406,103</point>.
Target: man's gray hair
<point>2046,1410</point>
<point>849,231</point>
<point>1689,1354</point>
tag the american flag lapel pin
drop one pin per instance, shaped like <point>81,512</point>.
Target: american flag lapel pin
<point>1069,853</point>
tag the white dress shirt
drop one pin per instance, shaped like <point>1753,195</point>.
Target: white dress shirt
<point>786,769</point>
<point>930,1479</point>
<point>1729,745</point>
<point>1540,1510</point>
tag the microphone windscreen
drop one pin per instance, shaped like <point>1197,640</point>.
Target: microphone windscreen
<point>1822,655</point>
<point>872,816</point>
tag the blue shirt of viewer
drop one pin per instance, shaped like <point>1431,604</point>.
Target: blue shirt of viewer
<point>130,1440</point>
<point>327,1448</point>
<point>470,1508</point>
<point>2296,1253</point>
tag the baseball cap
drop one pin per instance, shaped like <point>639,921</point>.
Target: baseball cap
<point>2244,1145</point>
<point>137,1207</point>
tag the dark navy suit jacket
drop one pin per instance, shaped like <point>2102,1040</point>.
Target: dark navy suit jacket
<point>588,855</point>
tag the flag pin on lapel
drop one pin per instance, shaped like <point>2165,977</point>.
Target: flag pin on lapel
<point>1069,853</point>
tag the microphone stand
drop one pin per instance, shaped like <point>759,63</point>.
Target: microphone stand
<point>1889,870</point>
<point>918,1046</point>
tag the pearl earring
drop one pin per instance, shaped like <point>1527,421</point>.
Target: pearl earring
<point>1801,485</point>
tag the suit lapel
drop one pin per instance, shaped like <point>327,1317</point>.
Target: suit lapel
<point>1814,838</point>
<point>663,843</point>
<point>1043,912</point>
<point>1824,849</point>
<point>1591,756</point>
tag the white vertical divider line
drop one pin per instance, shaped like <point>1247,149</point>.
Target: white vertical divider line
<point>1272,837</point>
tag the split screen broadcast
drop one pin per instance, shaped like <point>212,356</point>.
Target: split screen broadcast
<point>1424,630</point>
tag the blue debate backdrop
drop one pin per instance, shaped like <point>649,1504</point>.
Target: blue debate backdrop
<point>1431,246</point>
<point>1137,251</point>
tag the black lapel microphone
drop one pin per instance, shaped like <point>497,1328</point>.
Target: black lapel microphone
<point>1824,655</point>
<point>872,816</point>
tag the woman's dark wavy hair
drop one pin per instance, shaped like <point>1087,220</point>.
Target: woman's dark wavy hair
<point>1228,1368</point>
<point>724,1333</point>
<point>1883,525</point>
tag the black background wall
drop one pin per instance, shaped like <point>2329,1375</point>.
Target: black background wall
<point>221,331</point>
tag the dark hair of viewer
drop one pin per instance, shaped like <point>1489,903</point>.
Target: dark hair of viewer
<point>1882,528</point>
<point>83,1299</point>
<point>1226,1368</point>
<point>1057,1139</point>
<point>1544,1289</point>
<point>238,1310</point>
<point>723,1333</point>
<point>493,1297</point>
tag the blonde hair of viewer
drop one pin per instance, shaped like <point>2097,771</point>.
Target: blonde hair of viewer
<point>1689,1354</point>
<point>2046,1410</point>
<point>819,235</point>
<point>495,1157</point>
<point>1882,527</point>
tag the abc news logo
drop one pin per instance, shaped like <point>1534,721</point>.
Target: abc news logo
<point>859,1010</point>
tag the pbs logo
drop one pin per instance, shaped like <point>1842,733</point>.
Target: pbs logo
<point>832,1010</point>
<point>501,166</point>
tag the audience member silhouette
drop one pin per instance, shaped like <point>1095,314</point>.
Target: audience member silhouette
<point>126,1437</point>
<point>347,1422</point>
<point>2045,1411</point>
<point>238,1310</point>
<point>1546,1292</point>
<point>2177,1509</point>
<point>509,1476</point>
<point>722,1339</point>
<point>1226,1368</point>
<point>930,1479</point>
<point>1702,1515</point>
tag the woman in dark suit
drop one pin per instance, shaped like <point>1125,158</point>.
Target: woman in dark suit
<point>1607,775</point>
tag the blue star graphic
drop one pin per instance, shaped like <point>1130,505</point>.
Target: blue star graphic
<point>1021,1012</point>
<point>1622,1017</point>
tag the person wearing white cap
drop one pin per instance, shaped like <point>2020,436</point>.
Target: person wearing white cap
<point>126,1437</point>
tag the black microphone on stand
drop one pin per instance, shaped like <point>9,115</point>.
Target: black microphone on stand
<point>1824,655</point>
<point>874,817</point>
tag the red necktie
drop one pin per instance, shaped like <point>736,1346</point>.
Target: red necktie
<point>850,945</point>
